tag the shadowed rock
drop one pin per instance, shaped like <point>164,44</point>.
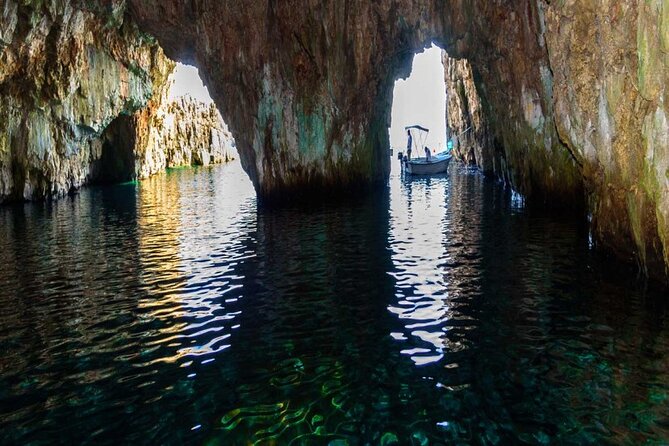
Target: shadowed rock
<point>567,98</point>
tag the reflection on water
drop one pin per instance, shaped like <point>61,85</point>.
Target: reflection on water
<point>174,311</point>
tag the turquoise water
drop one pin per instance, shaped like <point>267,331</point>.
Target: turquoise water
<point>440,311</point>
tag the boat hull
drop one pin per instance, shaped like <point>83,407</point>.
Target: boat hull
<point>423,167</point>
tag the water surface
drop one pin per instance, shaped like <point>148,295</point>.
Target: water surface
<point>442,311</point>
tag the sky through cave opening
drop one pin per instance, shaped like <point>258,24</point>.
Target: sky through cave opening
<point>421,99</point>
<point>187,82</point>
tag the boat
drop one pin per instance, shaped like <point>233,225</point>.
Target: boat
<point>435,164</point>
<point>423,166</point>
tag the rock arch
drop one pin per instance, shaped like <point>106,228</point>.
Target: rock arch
<point>570,97</point>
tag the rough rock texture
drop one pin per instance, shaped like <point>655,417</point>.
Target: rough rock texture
<point>611,67</point>
<point>595,91</point>
<point>566,98</point>
<point>305,86</point>
<point>65,75</point>
<point>569,107</point>
<point>468,123</point>
<point>172,133</point>
<point>193,133</point>
<point>83,98</point>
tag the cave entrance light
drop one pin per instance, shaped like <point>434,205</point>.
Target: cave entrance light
<point>187,82</point>
<point>420,99</point>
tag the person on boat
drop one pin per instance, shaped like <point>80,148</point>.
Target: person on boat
<point>409,144</point>
<point>428,155</point>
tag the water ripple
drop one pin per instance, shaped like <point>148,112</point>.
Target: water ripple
<point>174,311</point>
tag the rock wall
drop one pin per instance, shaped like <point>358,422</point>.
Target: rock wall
<point>467,122</point>
<point>566,98</point>
<point>175,132</point>
<point>595,93</point>
<point>82,99</point>
<point>65,75</point>
<point>305,86</point>
<point>187,133</point>
<point>569,104</point>
<point>611,81</point>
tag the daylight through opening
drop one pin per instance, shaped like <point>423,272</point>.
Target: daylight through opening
<point>420,100</point>
<point>188,98</point>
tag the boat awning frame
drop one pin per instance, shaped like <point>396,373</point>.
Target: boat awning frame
<point>419,127</point>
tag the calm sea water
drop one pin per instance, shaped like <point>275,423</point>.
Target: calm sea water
<point>175,311</point>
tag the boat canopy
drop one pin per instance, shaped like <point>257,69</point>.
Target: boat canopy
<point>417,127</point>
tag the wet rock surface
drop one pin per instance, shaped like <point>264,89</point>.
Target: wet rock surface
<point>65,74</point>
<point>588,110</point>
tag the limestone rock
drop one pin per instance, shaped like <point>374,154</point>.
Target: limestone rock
<point>592,97</point>
<point>569,104</point>
<point>611,82</point>
<point>65,75</point>
<point>83,98</point>
<point>566,99</point>
<point>178,132</point>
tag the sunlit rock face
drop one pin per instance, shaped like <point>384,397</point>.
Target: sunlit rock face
<point>65,75</point>
<point>468,122</point>
<point>83,99</point>
<point>193,133</point>
<point>176,132</point>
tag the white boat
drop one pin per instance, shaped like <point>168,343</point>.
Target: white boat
<point>435,164</point>
<point>423,166</point>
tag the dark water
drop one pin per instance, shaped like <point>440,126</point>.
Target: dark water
<point>174,311</point>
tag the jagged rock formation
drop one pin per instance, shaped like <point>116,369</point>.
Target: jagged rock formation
<point>193,133</point>
<point>595,92</point>
<point>170,133</point>
<point>305,87</point>
<point>468,125</point>
<point>65,75</point>
<point>82,99</point>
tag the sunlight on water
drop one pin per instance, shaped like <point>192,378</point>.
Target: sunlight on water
<point>175,311</point>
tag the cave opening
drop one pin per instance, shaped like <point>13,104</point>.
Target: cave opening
<point>420,99</point>
<point>181,126</point>
<point>188,92</point>
<point>117,159</point>
<point>186,81</point>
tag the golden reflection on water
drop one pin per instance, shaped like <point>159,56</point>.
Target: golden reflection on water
<point>173,311</point>
<point>191,250</point>
<point>159,228</point>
